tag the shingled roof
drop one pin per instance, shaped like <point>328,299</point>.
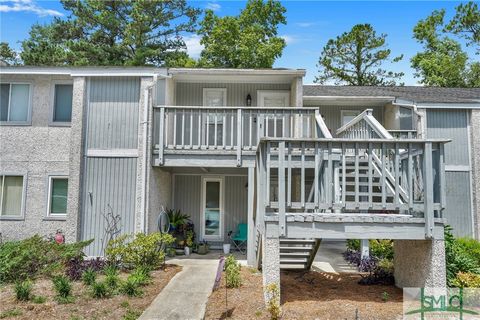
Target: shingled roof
<point>411,93</point>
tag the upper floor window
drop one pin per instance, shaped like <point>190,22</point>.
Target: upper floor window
<point>348,115</point>
<point>62,102</point>
<point>15,102</point>
<point>11,195</point>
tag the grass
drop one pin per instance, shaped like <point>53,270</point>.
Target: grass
<point>23,290</point>
<point>132,314</point>
<point>10,313</point>
<point>39,299</point>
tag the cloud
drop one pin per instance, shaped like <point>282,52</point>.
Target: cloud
<point>213,6</point>
<point>305,24</point>
<point>193,45</point>
<point>27,6</point>
<point>289,39</point>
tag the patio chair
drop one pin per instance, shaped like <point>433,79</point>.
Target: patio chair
<point>239,239</point>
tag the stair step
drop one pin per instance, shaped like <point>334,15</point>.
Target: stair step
<point>308,241</point>
<point>304,248</point>
<point>297,261</point>
<point>292,266</point>
<point>295,254</point>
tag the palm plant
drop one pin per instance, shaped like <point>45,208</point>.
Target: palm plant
<point>177,218</point>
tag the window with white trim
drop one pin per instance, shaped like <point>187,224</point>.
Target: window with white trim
<point>15,102</point>
<point>62,102</point>
<point>11,195</point>
<point>57,195</point>
<point>348,115</point>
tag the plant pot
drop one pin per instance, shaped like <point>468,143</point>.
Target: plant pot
<point>226,248</point>
<point>202,249</point>
<point>187,251</point>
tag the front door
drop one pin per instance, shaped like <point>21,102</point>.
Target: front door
<point>212,209</point>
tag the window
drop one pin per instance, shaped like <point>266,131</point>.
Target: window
<point>11,195</point>
<point>15,102</point>
<point>348,115</point>
<point>58,195</point>
<point>212,211</point>
<point>62,103</point>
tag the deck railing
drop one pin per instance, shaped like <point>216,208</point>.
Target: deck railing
<point>352,175</point>
<point>231,129</point>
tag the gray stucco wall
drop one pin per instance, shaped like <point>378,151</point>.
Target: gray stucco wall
<point>475,132</point>
<point>39,150</point>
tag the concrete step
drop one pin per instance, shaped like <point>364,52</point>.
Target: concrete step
<point>292,266</point>
<point>297,241</point>
<point>295,254</point>
<point>293,261</point>
<point>303,248</point>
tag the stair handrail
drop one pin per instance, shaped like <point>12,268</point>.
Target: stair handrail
<point>322,127</point>
<point>368,117</point>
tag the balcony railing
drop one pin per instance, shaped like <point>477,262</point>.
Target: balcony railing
<point>230,129</point>
<point>352,175</point>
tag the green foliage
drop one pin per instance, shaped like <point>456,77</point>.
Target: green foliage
<point>470,246</point>
<point>34,256</point>
<point>130,33</point>
<point>39,299</point>
<point>23,290</point>
<point>356,58</point>
<point>466,23</point>
<point>273,303</point>
<point>385,296</point>
<point>443,62</point>
<point>100,290</point>
<point>353,244</point>
<point>249,40</point>
<point>141,276</point>
<point>139,251</point>
<point>111,277</point>
<point>8,55</point>
<point>458,259</point>
<point>62,286</point>
<point>130,287</point>
<point>132,314</point>
<point>466,280</point>
<point>89,276</point>
<point>232,272</point>
<point>11,313</point>
<point>177,218</point>
<point>379,248</point>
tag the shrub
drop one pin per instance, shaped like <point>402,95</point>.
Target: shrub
<point>23,290</point>
<point>466,280</point>
<point>273,304</point>
<point>140,276</point>
<point>77,266</point>
<point>458,259</point>
<point>141,250</point>
<point>28,258</point>
<point>89,276</point>
<point>232,272</point>
<point>99,290</point>
<point>378,248</point>
<point>470,246</point>
<point>111,276</point>
<point>62,286</point>
<point>130,287</point>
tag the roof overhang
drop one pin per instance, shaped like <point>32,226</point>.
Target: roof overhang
<point>235,75</point>
<point>85,71</point>
<point>347,100</point>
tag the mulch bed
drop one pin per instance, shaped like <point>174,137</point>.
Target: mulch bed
<point>311,295</point>
<point>84,306</point>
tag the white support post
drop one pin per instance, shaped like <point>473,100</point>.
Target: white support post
<point>239,137</point>
<point>364,248</point>
<point>160,136</point>
<point>281,188</point>
<point>250,216</point>
<point>428,190</point>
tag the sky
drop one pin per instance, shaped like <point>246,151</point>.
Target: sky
<point>310,24</point>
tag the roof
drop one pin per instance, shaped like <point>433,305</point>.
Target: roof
<point>416,94</point>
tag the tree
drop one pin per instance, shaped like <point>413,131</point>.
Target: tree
<point>356,58</point>
<point>99,32</point>
<point>443,62</point>
<point>466,23</point>
<point>248,40</point>
<point>8,55</point>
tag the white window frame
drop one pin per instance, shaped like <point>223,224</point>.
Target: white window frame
<point>342,112</point>
<point>206,90</point>
<point>279,93</point>
<point>27,122</point>
<point>24,195</point>
<point>51,121</point>
<point>49,215</point>
<point>206,179</point>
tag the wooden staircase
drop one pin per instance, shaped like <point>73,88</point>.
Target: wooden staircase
<point>298,254</point>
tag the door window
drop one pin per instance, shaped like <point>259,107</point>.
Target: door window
<point>212,209</point>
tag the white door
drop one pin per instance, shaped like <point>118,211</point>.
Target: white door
<point>214,97</point>
<point>274,99</point>
<point>212,209</point>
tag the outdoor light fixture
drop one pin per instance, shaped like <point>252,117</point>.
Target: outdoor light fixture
<point>249,100</point>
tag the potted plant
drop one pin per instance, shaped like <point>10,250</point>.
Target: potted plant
<point>202,247</point>
<point>188,242</point>
<point>177,219</point>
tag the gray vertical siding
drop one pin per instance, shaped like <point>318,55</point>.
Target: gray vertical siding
<point>332,114</point>
<point>191,94</point>
<point>187,198</point>
<point>113,113</point>
<point>108,182</point>
<point>453,124</point>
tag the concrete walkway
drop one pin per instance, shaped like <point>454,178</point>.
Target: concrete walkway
<point>329,257</point>
<point>185,296</point>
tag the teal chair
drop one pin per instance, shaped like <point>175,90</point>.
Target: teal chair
<point>239,239</point>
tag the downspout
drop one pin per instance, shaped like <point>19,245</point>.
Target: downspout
<point>145,123</point>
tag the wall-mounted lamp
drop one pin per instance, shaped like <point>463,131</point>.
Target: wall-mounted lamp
<point>249,100</point>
